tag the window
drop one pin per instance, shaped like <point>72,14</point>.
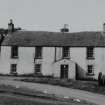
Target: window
<point>38,52</point>
<point>90,69</point>
<point>37,68</point>
<point>14,52</point>
<point>13,68</point>
<point>90,52</point>
<point>66,52</point>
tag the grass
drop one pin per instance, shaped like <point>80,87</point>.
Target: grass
<point>91,86</point>
<point>7,100</point>
<point>22,96</point>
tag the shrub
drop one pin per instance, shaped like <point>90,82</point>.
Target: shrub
<point>100,79</point>
<point>103,80</point>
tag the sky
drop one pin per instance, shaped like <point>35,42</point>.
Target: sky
<point>51,15</point>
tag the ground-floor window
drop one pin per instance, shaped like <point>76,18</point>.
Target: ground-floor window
<point>37,68</point>
<point>90,69</point>
<point>13,68</point>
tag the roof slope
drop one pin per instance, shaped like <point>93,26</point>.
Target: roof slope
<point>40,38</point>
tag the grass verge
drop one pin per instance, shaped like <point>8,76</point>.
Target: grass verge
<point>91,86</point>
<point>22,96</point>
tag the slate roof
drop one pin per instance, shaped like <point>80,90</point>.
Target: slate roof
<point>40,38</point>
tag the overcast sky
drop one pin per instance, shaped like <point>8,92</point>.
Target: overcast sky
<point>50,15</point>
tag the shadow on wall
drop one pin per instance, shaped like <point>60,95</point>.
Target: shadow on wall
<point>81,74</point>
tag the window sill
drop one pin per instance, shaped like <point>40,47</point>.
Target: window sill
<point>38,73</point>
<point>90,58</point>
<point>38,58</point>
<point>65,57</point>
<point>15,57</point>
<point>90,74</point>
<point>13,73</point>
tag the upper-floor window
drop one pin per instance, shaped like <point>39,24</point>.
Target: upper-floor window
<point>66,52</point>
<point>90,70</point>
<point>90,52</point>
<point>14,52</point>
<point>38,52</point>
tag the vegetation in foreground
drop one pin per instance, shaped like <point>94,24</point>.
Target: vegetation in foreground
<point>91,86</point>
<point>23,96</point>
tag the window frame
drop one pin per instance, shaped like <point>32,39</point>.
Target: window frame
<point>38,52</point>
<point>38,69</point>
<point>13,69</point>
<point>90,68</point>
<point>66,52</point>
<point>90,53</point>
<point>14,52</point>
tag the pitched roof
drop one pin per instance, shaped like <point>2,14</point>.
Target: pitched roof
<point>40,38</point>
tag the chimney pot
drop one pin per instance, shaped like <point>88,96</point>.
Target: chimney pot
<point>11,26</point>
<point>65,28</point>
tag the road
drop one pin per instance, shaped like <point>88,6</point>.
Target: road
<point>57,90</point>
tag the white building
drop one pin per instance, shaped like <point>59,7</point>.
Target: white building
<point>59,54</point>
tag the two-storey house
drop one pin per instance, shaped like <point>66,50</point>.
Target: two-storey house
<point>59,54</point>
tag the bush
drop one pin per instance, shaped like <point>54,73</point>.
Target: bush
<point>103,80</point>
<point>100,79</point>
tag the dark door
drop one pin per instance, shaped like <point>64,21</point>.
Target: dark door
<point>64,71</point>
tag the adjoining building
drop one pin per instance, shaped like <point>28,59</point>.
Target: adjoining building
<point>58,54</point>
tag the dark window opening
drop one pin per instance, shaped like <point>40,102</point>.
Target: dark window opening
<point>66,52</point>
<point>90,69</point>
<point>37,68</point>
<point>38,52</point>
<point>13,69</point>
<point>90,53</point>
<point>14,52</point>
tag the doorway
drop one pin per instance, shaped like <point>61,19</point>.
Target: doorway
<point>64,72</point>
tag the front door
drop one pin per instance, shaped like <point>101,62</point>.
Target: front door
<point>64,71</point>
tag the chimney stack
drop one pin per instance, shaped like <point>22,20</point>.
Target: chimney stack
<point>10,26</point>
<point>65,28</point>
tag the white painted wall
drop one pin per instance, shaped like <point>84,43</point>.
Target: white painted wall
<point>78,55</point>
<point>58,53</point>
<point>99,61</point>
<point>48,60</point>
<point>5,60</point>
<point>25,62</point>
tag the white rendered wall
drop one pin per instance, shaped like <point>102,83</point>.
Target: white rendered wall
<point>25,62</point>
<point>58,53</point>
<point>5,60</point>
<point>48,60</point>
<point>78,55</point>
<point>99,61</point>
